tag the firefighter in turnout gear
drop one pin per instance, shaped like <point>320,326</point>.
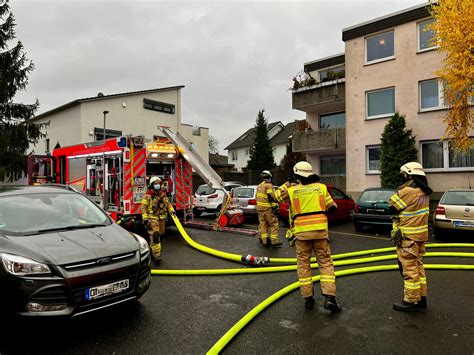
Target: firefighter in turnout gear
<point>310,201</point>
<point>155,206</point>
<point>267,209</point>
<point>410,205</point>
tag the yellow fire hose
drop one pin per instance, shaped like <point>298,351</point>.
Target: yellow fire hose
<point>238,258</point>
<point>231,333</point>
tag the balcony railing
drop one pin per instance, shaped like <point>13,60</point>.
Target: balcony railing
<point>325,97</point>
<point>311,141</point>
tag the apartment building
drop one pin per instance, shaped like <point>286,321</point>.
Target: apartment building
<point>389,66</point>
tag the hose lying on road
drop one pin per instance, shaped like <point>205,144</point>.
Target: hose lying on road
<point>232,332</point>
<point>238,258</point>
<point>293,267</point>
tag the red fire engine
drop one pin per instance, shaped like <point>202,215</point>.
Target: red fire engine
<point>114,173</point>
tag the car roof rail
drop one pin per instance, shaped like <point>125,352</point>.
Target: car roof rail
<point>64,186</point>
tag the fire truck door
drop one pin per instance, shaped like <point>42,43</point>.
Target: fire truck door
<point>40,169</point>
<point>93,181</point>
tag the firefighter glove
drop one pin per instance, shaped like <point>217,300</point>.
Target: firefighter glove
<point>290,237</point>
<point>396,237</point>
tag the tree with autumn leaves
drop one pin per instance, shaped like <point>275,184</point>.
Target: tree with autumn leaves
<point>454,34</point>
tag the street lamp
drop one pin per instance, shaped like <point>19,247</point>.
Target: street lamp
<point>105,114</point>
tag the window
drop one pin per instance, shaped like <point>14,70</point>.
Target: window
<point>380,103</point>
<point>373,159</point>
<point>426,37</point>
<point>431,95</point>
<point>334,120</point>
<point>196,131</point>
<point>442,156</point>
<point>333,166</point>
<point>337,194</point>
<point>234,155</point>
<point>333,73</point>
<point>109,133</point>
<point>158,106</point>
<point>247,152</point>
<point>47,145</point>
<point>379,47</point>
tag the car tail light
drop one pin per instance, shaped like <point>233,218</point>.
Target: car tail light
<point>213,196</point>
<point>440,210</point>
<point>252,201</point>
<point>356,208</point>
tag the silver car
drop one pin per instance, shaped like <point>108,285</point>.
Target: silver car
<point>454,213</point>
<point>246,198</point>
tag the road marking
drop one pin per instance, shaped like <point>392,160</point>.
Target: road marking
<point>360,235</point>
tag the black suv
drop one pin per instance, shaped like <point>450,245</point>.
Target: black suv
<point>62,255</point>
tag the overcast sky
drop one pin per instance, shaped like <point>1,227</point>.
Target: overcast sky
<point>234,57</point>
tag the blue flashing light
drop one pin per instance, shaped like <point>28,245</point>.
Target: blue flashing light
<point>122,142</point>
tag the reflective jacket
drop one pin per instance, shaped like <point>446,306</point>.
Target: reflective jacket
<point>308,205</point>
<point>155,205</point>
<point>265,196</point>
<point>413,209</point>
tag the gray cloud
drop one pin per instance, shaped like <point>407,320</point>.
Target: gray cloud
<point>234,57</point>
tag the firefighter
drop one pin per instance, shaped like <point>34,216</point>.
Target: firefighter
<point>310,201</point>
<point>155,206</point>
<point>410,205</point>
<point>267,209</point>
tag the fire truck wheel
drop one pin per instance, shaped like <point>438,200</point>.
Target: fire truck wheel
<point>223,221</point>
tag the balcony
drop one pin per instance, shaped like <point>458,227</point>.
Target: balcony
<point>330,140</point>
<point>325,97</point>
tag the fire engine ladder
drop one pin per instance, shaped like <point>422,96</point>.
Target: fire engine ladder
<point>188,198</point>
<point>199,164</point>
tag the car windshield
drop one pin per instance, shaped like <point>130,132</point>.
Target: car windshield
<point>459,198</point>
<point>40,213</point>
<point>205,190</point>
<point>243,192</point>
<point>376,196</point>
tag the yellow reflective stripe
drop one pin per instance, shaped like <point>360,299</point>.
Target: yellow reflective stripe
<point>269,191</point>
<point>412,285</point>
<point>423,280</point>
<point>263,235</point>
<point>398,201</point>
<point>306,281</point>
<point>144,215</point>
<point>327,278</point>
<point>264,204</point>
<point>152,217</point>
<point>415,213</point>
<point>414,230</point>
<point>145,202</point>
<point>261,194</point>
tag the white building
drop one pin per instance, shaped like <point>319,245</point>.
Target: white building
<point>135,113</point>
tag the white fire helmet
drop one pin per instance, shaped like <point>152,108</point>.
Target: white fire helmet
<point>413,168</point>
<point>154,179</point>
<point>303,168</point>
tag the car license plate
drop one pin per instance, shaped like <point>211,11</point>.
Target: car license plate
<point>463,223</point>
<point>375,211</point>
<point>106,290</point>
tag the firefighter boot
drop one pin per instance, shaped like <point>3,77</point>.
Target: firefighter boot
<point>156,247</point>
<point>405,306</point>
<point>277,244</point>
<point>331,304</point>
<point>423,303</point>
<point>309,302</point>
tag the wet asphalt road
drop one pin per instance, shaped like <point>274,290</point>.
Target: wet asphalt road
<point>188,314</point>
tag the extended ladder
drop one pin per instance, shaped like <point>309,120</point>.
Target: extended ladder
<point>211,178</point>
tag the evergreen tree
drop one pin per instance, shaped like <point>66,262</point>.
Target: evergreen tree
<point>261,153</point>
<point>285,169</point>
<point>16,130</point>
<point>398,147</point>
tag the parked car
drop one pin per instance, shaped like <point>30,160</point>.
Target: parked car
<point>372,208</point>
<point>454,213</point>
<point>345,205</point>
<point>208,199</point>
<point>62,255</point>
<point>246,198</point>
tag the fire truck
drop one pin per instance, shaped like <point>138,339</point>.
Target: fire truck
<point>115,172</point>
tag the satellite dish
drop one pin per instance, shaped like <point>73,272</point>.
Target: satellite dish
<point>100,94</point>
